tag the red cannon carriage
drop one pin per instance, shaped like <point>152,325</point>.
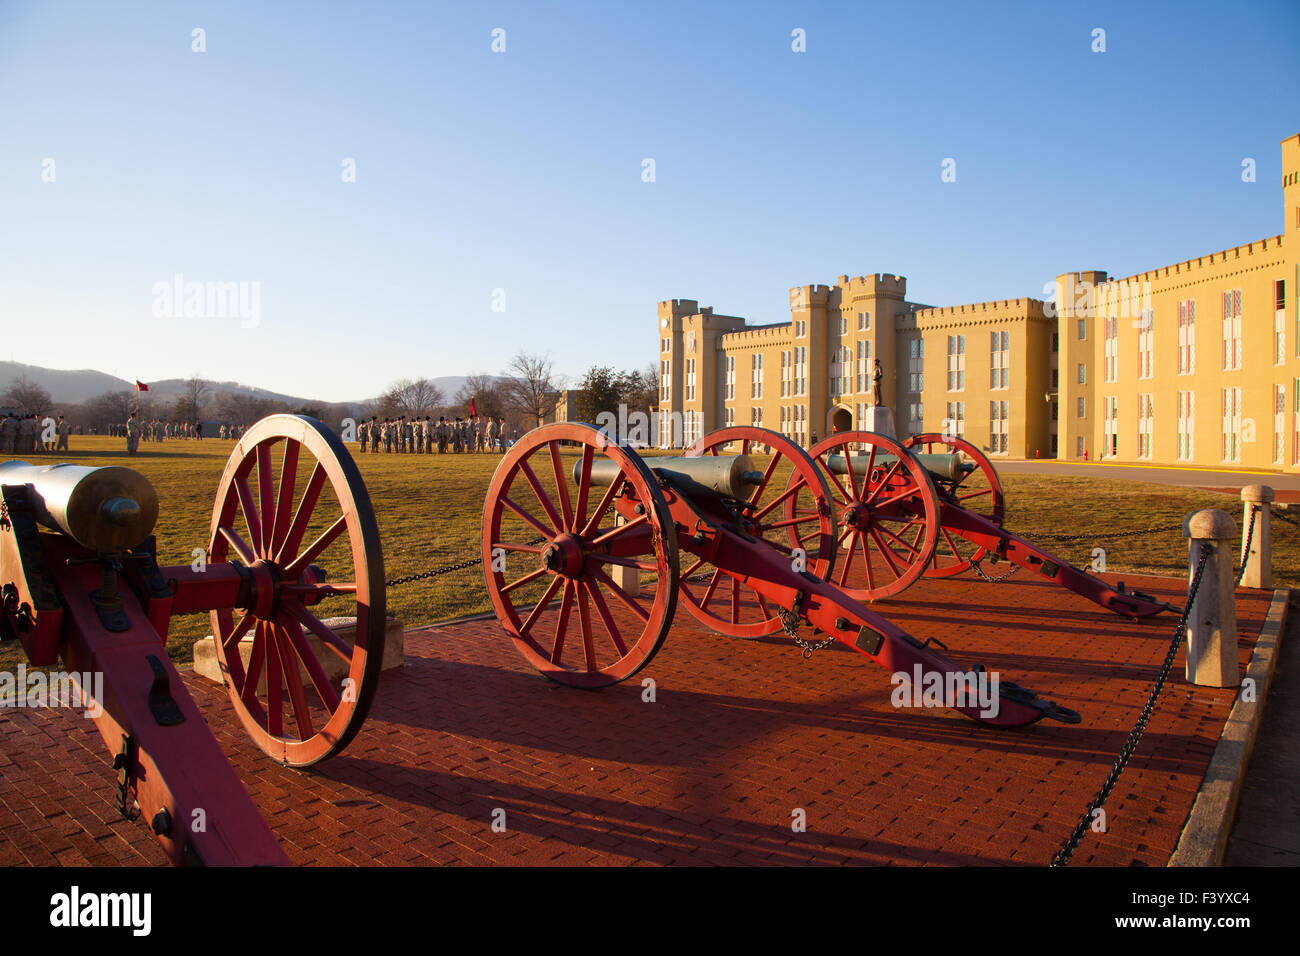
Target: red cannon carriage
<point>569,512</point>
<point>81,582</point>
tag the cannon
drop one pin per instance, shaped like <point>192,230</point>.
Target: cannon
<point>559,539</point>
<point>933,506</point>
<point>81,581</point>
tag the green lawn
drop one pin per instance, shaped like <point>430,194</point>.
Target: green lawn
<point>430,507</point>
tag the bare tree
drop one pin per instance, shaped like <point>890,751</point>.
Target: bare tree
<point>111,408</point>
<point>414,398</point>
<point>31,397</point>
<point>189,405</point>
<point>531,388</point>
<point>485,391</point>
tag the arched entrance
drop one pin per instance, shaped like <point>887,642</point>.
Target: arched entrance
<point>840,420</point>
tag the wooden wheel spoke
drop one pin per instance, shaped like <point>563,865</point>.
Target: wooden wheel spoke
<point>527,548</point>
<point>866,558</point>
<point>288,480</point>
<point>548,533</point>
<point>713,586</point>
<point>848,561</point>
<point>239,544</point>
<point>881,527</point>
<point>794,489</point>
<point>788,522</point>
<point>237,633</point>
<point>253,676</point>
<point>885,552</point>
<point>315,672</point>
<point>606,500</point>
<point>531,576</point>
<point>266,493</point>
<point>327,637</point>
<point>300,563</point>
<point>584,487</point>
<point>622,595</point>
<point>561,484</point>
<point>762,485</point>
<point>907,492</point>
<point>845,496</point>
<point>292,678</point>
<point>584,619</point>
<point>562,623</point>
<point>767,614</point>
<point>541,605</point>
<point>310,495</point>
<point>251,517</point>
<point>735,600</point>
<point>691,570</point>
<point>975,494</point>
<point>606,558</point>
<point>884,481</point>
<point>542,498</point>
<point>614,532</point>
<point>607,619</point>
<point>274,696</point>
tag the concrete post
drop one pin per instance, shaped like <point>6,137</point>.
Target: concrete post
<point>629,579</point>
<point>1212,618</point>
<point>1259,563</point>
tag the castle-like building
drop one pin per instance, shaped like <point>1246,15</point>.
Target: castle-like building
<point>1194,364</point>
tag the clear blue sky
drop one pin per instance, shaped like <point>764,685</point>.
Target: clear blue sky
<point>522,170</point>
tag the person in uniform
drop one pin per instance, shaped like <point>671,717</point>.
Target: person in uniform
<point>491,434</point>
<point>8,434</point>
<point>26,434</point>
<point>63,430</point>
<point>440,433</point>
<point>132,435</point>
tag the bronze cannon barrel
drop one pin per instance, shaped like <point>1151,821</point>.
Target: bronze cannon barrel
<point>731,476</point>
<point>948,467</point>
<point>102,509</point>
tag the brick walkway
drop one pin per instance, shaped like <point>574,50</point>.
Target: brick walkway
<point>741,734</point>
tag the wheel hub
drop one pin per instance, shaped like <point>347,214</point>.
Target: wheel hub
<point>564,555</point>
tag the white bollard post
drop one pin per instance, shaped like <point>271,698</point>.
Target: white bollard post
<point>1259,562</point>
<point>629,579</point>
<point>1212,618</point>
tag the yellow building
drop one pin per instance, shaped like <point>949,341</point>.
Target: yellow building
<point>1195,363</point>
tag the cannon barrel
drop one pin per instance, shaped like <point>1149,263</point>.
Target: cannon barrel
<point>731,476</point>
<point>949,467</point>
<point>102,509</point>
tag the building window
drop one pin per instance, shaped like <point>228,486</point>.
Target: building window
<point>786,368</point>
<point>1079,447</point>
<point>1186,423</point>
<point>1000,359</point>
<point>731,377</point>
<point>1083,329</point>
<point>665,345</point>
<point>1279,424</point>
<point>756,376</point>
<point>1231,408</point>
<point>955,424</point>
<point>956,363</point>
<point>1082,409</point>
<point>915,418</point>
<point>690,380</point>
<point>1056,342</point>
<point>864,365</point>
<point>665,380</point>
<point>1146,415</point>
<point>800,329</point>
<point>1110,426</point>
<point>864,321</point>
<point>916,365</point>
<point>1295,422</point>
<point>1146,336</point>
<point>998,427</point>
<point>1279,325</point>
<point>1082,375</point>
<point>1110,338</point>
<point>1232,331</point>
<point>1186,337</point>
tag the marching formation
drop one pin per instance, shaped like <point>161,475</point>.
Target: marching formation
<point>23,434</point>
<point>420,436</point>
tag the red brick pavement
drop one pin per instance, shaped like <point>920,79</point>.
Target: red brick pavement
<point>740,735</point>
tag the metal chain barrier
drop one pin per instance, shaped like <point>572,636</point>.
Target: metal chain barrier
<point>1062,856</point>
<point>446,569</point>
<point>1285,517</point>
<point>1245,553</point>
<point>977,567</point>
<point>1159,529</point>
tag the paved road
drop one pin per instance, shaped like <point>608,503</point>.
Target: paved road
<point>1162,474</point>
<point>1266,831</point>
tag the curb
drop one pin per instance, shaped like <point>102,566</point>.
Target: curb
<point>1205,835</point>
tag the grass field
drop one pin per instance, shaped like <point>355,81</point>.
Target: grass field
<point>430,509</point>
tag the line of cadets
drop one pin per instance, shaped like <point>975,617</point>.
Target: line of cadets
<point>22,434</point>
<point>421,436</point>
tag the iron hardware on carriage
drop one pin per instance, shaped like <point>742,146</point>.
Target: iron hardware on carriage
<point>81,582</point>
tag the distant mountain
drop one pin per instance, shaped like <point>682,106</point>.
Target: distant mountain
<point>69,387</point>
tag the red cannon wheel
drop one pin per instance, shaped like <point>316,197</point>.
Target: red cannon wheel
<point>334,515</point>
<point>887,509</point>
<point>785,512</point>
<point>551,543</point>
<point>979,491</point>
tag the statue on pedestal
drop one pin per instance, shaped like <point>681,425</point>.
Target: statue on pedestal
<point>876,376</point>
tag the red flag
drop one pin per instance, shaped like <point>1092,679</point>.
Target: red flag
<point>141,386</point>
<point>471,408</point>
